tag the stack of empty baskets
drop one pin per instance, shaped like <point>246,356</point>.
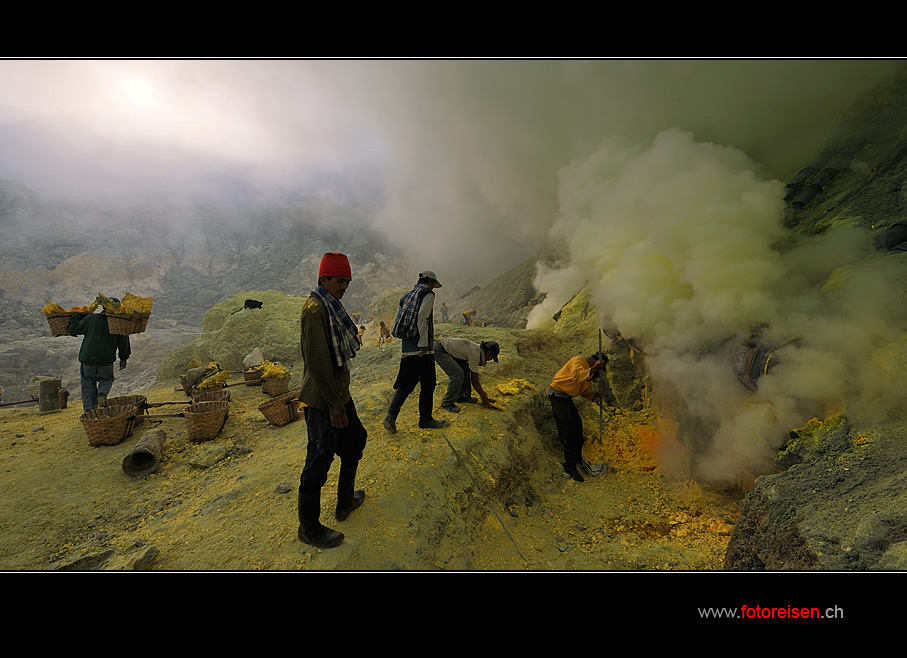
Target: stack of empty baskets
<point>114,420</point>
<point>109,424</point>
<point>207,414</point>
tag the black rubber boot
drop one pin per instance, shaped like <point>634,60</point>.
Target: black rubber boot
<point>390,420</point>
<point>426,402</point>
<point>432,424</point>
<point>310,529</point>
<point>348,498</point>
<point>571,470</point>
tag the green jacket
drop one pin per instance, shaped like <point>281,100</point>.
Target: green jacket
<point>99,347</point>
<point>324,385</point>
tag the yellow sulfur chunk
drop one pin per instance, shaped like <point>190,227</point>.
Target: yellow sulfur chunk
<point>135,304</point>
<point>269,370</point>
<point>109,305</point>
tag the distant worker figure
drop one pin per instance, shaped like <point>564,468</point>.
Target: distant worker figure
<point>384,334</point>
<point>469,318</point>
<point>414,326</point>
<point>574,379</point>
<point>361,332</point>
<point>97,356</point>
<point>329,341</point>
<point>445,312</point>
<point>461,359</point>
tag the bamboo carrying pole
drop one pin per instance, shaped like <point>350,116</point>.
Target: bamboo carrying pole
<point>8,404</point>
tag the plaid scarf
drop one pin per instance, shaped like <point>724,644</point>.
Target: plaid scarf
<point>405,324</point>
<point>344,333</point>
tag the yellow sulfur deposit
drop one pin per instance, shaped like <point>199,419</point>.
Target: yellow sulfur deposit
<point>274,370</point>
<point>135,304</point>
<point>109,305</point>
<point>52,309</point>
<point>514,386</point>
<point>216,380</point>
<point>129,304</point>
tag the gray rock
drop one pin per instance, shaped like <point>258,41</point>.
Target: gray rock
<point>210,456</point>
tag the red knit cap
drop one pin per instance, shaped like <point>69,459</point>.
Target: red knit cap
<point>334,264</point>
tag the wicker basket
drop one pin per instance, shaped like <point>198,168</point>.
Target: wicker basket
<point>141,321</point>
<point>107,426</point>
<point>59,322</point>
<point>275,386</point>
<point>121,324</point>
<point>137,401</point>
<point>252,376</point>
<point>281,410</point>
<point>204,420</point>
<point>211,395</point>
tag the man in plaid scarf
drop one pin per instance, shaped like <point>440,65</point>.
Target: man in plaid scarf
<point>329,340</point>
<point>415,328</point>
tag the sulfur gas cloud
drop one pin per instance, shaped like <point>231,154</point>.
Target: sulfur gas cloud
<point>681,247</point>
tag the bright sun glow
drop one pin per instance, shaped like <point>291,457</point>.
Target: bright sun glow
<point>139,93</point>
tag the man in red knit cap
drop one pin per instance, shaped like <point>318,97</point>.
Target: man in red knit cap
<point>329,341</point>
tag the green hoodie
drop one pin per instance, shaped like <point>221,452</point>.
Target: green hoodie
<point>99,347</point>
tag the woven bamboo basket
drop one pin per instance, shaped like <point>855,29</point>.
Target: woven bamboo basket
<point>252,376</point>
<point>204,420</point>
<point>58,323</point>
<point>141,321</point>
<point>275,386</point>
<point>211,395</point>
<point>281,410</point>
<point>107,426</point>
<point>121,324</point>
<point>137,401</point>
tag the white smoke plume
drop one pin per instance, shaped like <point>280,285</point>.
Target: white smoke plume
<point>681,246</point>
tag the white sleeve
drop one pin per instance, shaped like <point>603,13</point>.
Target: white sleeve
<point>425,311</point>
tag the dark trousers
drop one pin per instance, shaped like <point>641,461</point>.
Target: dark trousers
<point>460,386</point>
<point>325,441</point>
<point>95,380</point>
<point>569,428</point>
<point>417,370</point>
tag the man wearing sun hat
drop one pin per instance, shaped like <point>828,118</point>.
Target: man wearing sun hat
<point>460,359</point>
<point>329,341</point>
<point>415,328</point>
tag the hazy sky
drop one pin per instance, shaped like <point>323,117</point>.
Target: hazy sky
<point>464,154</point>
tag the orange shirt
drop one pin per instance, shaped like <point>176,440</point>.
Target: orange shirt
<point>575,378</point>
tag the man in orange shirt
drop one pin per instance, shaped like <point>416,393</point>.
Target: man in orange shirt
<point>575,378</point>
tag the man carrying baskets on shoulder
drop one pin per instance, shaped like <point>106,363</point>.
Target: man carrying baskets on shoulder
<point>97,355</point>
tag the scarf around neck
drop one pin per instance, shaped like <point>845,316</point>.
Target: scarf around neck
<point>406,321</point>
<point>344,333</point>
